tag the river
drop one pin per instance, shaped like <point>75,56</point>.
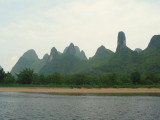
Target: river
<point>45,106</point>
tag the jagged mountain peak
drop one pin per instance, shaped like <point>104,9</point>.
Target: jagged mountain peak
<point>28,60</point>
<point>102,50</point>
<point>74,51</point>
<point>155,42</point>
<point>53,54</point>
<point>102,47</point>
<point>71,44</point>
<point>73,59</point>
<point>71,50</point>
<point>54,51</point>
<point>30,53</point>
<point>121,43</point>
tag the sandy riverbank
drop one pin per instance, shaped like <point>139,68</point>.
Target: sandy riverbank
<point>82,90</point>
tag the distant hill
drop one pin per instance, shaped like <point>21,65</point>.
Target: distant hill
<point>101,57</point>
<point>119,60</point>
<point>80,54</point>
<point>125,61</point>
<point>73,60</point>
<point>66,63</point>
<point>150,57</point>
<point>29,60</point>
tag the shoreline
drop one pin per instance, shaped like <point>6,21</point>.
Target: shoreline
<point>79,90</point>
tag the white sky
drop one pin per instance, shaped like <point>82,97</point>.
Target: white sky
<point>43,24</point>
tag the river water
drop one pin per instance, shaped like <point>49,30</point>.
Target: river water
<point>40,106</point>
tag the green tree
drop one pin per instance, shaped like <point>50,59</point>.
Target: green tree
<point>68,80</point>
<point>42,79</point>
<point>55,78</point>
<point>135,78</point>
<point>8,79</point>
<point>79,79</point>
<point>36,79</point>
<point>105,80</point>
<point>152,78</point>
<point>25,77</point>
<point>2,75</point>
<point>125,79</point>
<point>110,79</point>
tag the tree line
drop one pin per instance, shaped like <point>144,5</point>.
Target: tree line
<point>28,77</point>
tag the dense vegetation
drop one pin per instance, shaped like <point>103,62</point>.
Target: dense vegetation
<point>28,77</point>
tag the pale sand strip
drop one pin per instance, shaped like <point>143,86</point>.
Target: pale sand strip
<point>82,90</point>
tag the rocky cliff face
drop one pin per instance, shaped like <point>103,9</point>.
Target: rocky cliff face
<point>121,43</point>
<point>53,54</point>
<point>75,51</point>
<point>71,50</point>
<point>122,49</point>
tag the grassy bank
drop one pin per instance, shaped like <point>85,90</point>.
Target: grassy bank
<point>81,86</point>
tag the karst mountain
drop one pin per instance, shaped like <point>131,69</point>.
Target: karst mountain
<point>74,60</point>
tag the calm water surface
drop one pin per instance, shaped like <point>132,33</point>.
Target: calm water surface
<point>33,106</point>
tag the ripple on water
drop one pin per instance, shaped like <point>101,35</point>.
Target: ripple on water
<point>27,106</point>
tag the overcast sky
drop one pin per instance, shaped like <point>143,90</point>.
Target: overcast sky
<point>43,24</point>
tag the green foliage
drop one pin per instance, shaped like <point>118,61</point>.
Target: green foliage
<point>110,79</point>
<point>104,69</point>
<point>65,64</point>
<point>152,78</point>
<point>80,79</point>
<point>9,79</point>
<point>56,78</point>
<point>6,78</point>
<point>42,80</point>
<point>26,76</point>
<point>136,78</point>
<point>2,75</point>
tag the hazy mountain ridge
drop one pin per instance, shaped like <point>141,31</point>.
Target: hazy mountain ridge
<point>76,50</point>
<point>65,63</point>
<point>73,60</point>
<point>29,60</point>
<point>126,61</point>
<point>151,55</point>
